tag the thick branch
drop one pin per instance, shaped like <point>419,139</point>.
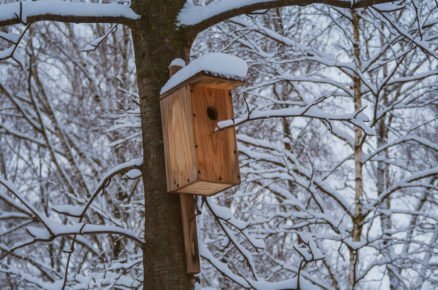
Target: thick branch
<point>202,17</point>
<point>63,11</point>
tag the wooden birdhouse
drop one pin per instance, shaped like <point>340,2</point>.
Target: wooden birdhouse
<point>200,159</point>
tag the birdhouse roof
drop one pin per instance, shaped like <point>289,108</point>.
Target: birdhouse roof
<point>217,70</point>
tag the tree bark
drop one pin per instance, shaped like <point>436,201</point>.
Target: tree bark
<point>383,185</point>
<point>358,165</point>
<point>156,42</point>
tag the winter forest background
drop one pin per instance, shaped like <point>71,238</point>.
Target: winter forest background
<point>337,143</point>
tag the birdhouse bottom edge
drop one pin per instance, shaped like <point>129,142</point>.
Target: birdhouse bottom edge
<point>203,188</point>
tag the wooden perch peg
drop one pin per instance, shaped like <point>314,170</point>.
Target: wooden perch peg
<point>176,65</point>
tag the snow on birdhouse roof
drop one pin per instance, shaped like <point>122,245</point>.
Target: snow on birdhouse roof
<point>219,65</point>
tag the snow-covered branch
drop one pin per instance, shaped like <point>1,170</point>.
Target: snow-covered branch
<point>80,212</point>
<point>201,17</point>
<point>357,119</point>
<point>51,230</point>
<point>12,52</point>
<point>408,138</point>
<point>404,183</point>
<point>65,11</point>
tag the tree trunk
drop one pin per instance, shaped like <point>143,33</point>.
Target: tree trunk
<point>358,170</point>
<point>382,186</point>
<point>383,182</point>
<point>156,43</point>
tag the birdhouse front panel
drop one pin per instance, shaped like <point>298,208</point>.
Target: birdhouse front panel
<point>216,150</point>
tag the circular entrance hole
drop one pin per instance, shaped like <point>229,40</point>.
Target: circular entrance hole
<point>212,113</point>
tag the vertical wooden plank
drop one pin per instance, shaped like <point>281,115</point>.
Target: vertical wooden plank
<point>188,214</point>
<point>176,115</point>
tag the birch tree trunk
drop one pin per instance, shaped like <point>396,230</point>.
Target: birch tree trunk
<point>383,184</point>
<point>156,43</point>
<point>358,141</point>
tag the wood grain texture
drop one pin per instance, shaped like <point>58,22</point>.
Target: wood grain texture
<point>204,188</point>
<point>178,140</point>
<point>188,215</point>
<point>216,151</point>
<point>199,159</point>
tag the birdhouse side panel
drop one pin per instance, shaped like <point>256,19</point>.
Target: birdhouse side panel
<point>178,139</point>
<point>216,151</point>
